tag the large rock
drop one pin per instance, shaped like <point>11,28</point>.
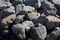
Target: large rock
<point>38,32</point>
<point>19,18</point>
<point>19,30</point>
<point>33,3</point>
<point>49,8</point>
<point>55,35</point>
<point>32,15</point>
<point>4,4</point>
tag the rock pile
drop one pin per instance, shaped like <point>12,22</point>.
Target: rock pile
<point>29,19</point>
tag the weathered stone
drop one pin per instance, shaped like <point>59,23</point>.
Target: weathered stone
<point>28,24</point>
<point>56,2</point>
<point>19,30</point>
<point>32,15</point>
<point>4,4</point>
<point>52,22</point>
<point>22,9</point>
<point>38,32</point>
<point>49,8</point>
<point>42,20</point>
<point>54,35</point>
<point>33,3</point>
<point>19,18</point>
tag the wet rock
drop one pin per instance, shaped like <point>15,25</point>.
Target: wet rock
<point>19,31</point>
<point>19,18</point>
<point>49,8</point>
<point>54,35</point>
<point>39,32</point>
<point>34,3</point>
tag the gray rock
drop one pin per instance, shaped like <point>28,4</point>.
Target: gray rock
<point>19,30</point>
<point>19,18</point>
<point>33,3</point>
<point>42,20</point>
<point>57,3</point>
<point>28,24</point>
<point>54,35</point>
<point>22,9</point>
<point>39,32</point>
<point>4,4</point>
<point>49,8</point>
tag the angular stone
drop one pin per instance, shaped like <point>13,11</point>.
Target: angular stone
<point>22,9</point>
<point>38,32</point>
<point>32,15</point>
<point>34,3</point>
<point>55,35</point>
<point>49,8</point>
<point>19,18</point>
<point>4,4</point>
<point>19,30</point>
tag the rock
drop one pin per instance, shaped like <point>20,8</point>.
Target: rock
<point>8,20</point>
<point>32,15</point>
<point>28,24</point>
<point>41,19</point>
<point>38,32</point>
<point>19,30</point>
<point>49,8</point>
<point>54,35</point>
<point>22,9</point>
<point>19,18</point>
<point>57,3</point>
<point>52,22</point>
<point>4,4</point>
<point>34,3</point>
<point>10,9</point>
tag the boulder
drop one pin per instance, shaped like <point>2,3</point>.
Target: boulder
<point>19,31</point>
<point>38,32</point>
<point>32,15</point>
<point>34,3</point>
<point>55,35</point>
<point>49,8</point>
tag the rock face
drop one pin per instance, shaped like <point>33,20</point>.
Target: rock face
<point>19,30</point>
<point>39,32</point>
<point>49,8</point>
<point>55,35</point>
